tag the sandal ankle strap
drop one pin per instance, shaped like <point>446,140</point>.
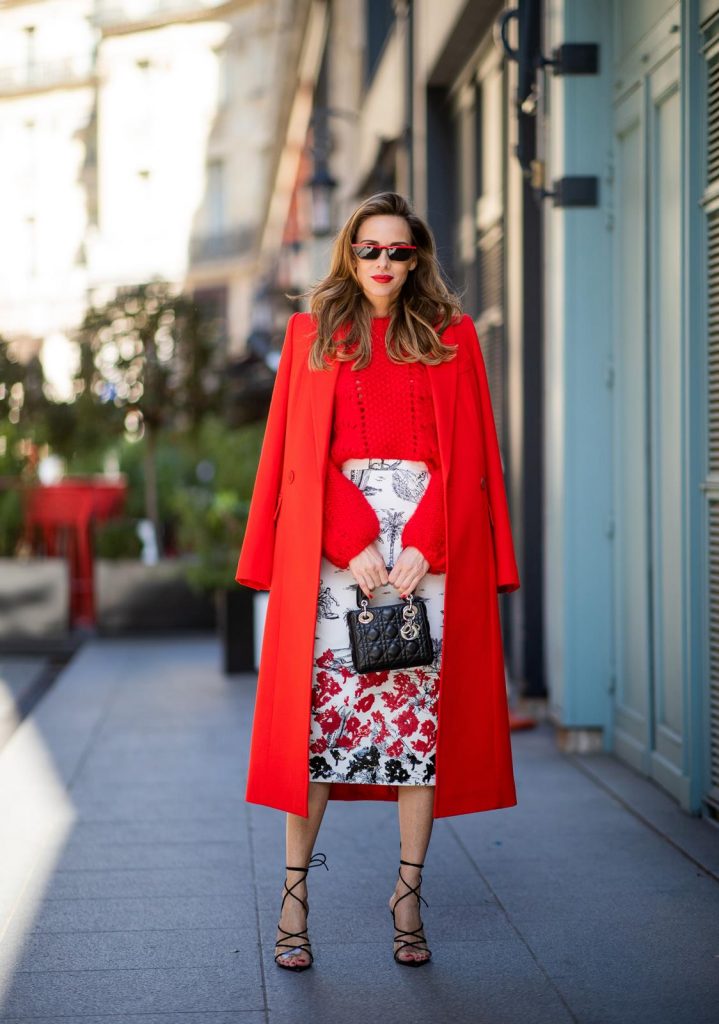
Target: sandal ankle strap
<point>313,863</point>
<point>411,888</point>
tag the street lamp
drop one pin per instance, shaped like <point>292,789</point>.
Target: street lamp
<point>322,186</point>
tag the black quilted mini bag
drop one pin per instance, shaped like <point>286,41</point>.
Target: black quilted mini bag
<point>390,635</point>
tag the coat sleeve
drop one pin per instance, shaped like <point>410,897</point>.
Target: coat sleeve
<point>254,568</point>
<point>504,557</point>
<point>424,529</point>
<point>350,522</point>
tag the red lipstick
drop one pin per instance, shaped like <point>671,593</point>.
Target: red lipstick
<point>382,278</point>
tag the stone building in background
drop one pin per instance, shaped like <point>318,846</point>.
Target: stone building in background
<point>137,139</point>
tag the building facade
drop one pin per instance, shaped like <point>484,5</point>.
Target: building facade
<point>566,156</point>
<point>573,195</point>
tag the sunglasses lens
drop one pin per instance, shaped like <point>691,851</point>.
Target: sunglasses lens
<point>371,252</point>
<point>366,252</point>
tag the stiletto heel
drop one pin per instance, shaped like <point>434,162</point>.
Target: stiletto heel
<point>418,941</point>
<point>300,947</point>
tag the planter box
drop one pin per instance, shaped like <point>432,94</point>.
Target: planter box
<point>235,618</point>
<point>34,598</point>
<point>131,597</point>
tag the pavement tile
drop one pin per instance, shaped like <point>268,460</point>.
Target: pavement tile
<point>218,989</point>
<point>157,806</point>
<point>150,832</point>
<point>138,949</point>
<point>204,1017</point>
<point>158,888</point>
<point>102,883</point>
<point>93,855</point>
<point>162,912</point>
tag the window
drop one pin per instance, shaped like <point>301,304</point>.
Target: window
<point>215,196</point>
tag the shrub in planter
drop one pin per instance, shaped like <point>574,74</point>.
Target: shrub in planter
<point>211,516</point>
<point>10,522</point>
<point>211,526</point>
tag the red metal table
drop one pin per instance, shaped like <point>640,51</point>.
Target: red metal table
<point>64,514</point>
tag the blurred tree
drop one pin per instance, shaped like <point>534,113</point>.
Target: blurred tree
<point>30,420</point>
<point>22,398</point>
<point>21,403</point>
<point>151,359</point>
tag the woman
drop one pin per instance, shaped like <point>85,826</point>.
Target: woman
<point>379,467</point>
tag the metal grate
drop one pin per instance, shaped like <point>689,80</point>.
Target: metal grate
<point>713,121</point>
<point>713,337</point>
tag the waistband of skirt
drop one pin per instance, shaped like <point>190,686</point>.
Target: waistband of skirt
<point>413,465</point>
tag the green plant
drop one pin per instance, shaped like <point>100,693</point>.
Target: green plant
<point>10,522</point>
<point>212,513</point>
<point>117,539</point>
<point>212,526</point>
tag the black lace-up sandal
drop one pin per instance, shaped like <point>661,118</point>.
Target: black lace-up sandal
<point>418,940</point>
<point>300,947</point>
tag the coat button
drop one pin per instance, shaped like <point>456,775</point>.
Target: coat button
<point>483,484</point>
<point>291,475</point>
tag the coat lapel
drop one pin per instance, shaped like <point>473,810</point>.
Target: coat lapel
<point>443,381</point>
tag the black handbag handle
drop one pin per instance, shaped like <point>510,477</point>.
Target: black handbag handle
<point>361,596</point>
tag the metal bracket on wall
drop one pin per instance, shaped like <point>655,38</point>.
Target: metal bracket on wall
<point>566,59</point>
<point>569,191</point>
<point>573,59</point>
<point>576,190</point>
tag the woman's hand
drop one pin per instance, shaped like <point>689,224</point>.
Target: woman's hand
<point>368,569</point>
<point>408,570</point>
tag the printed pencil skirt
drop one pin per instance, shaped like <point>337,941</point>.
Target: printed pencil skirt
<point>378,727</point>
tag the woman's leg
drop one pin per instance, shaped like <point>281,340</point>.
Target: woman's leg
<point>415,806</point>
<point>300,836</point>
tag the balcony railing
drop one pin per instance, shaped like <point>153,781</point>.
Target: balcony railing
<point>48,75</point>
<point>109,14</point>
<point>222,246</point>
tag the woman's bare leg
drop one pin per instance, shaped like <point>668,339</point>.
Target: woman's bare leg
<point>415,807</point>
<point>300,836</point>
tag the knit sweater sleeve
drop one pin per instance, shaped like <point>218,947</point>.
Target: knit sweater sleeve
<point>350,522</point>
<point>425,527</point>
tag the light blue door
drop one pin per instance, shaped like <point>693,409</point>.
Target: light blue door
<point>648,435</point>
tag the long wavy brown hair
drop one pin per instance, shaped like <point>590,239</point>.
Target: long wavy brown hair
<point>423,310</point>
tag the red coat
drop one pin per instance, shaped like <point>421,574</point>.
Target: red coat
<point>281,552</point>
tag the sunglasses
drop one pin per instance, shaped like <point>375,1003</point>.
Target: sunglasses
<point>397,253</point>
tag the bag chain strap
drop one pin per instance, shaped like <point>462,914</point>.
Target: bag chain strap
<point>410,629</point>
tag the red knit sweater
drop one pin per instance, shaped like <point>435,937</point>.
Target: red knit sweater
<point>383,411</point>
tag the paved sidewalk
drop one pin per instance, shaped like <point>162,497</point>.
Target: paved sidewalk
<point>137,885</point>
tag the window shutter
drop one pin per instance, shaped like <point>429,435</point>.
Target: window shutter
<point>711,484</point>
